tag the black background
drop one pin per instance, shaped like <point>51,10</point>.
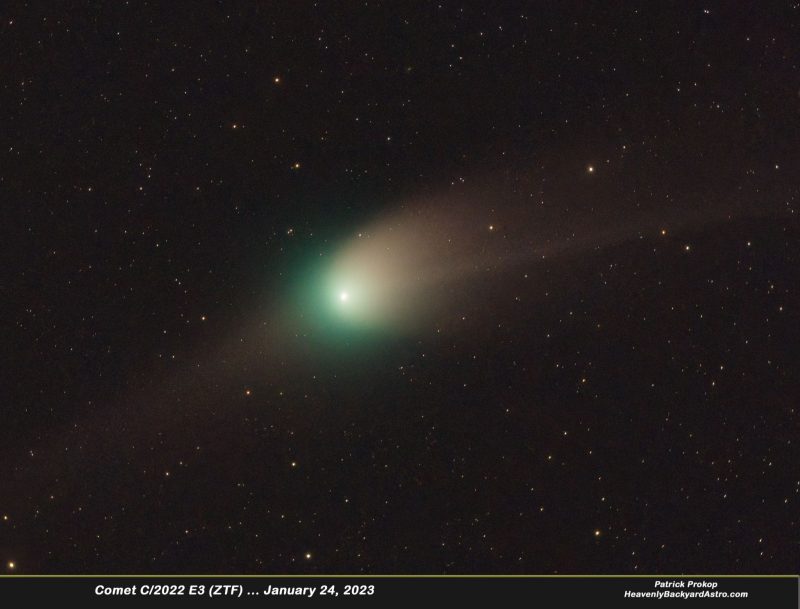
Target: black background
<point>632,410</point>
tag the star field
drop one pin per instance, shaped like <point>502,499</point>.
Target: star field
<point>400,288</point>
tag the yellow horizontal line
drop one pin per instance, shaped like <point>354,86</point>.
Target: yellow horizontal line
<point>398,576</point>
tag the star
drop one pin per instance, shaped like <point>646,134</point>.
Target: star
<point>344,296</point>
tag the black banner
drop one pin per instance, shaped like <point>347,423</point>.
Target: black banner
<point>775,592</point>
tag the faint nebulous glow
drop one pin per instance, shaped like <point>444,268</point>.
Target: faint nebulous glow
<point>417,266</point>
<point>398,270</point>
<point>383,275</point>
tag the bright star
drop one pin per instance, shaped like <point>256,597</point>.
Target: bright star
<point>344,296</point>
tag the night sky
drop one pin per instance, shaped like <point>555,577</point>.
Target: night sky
<point>400,287</point>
